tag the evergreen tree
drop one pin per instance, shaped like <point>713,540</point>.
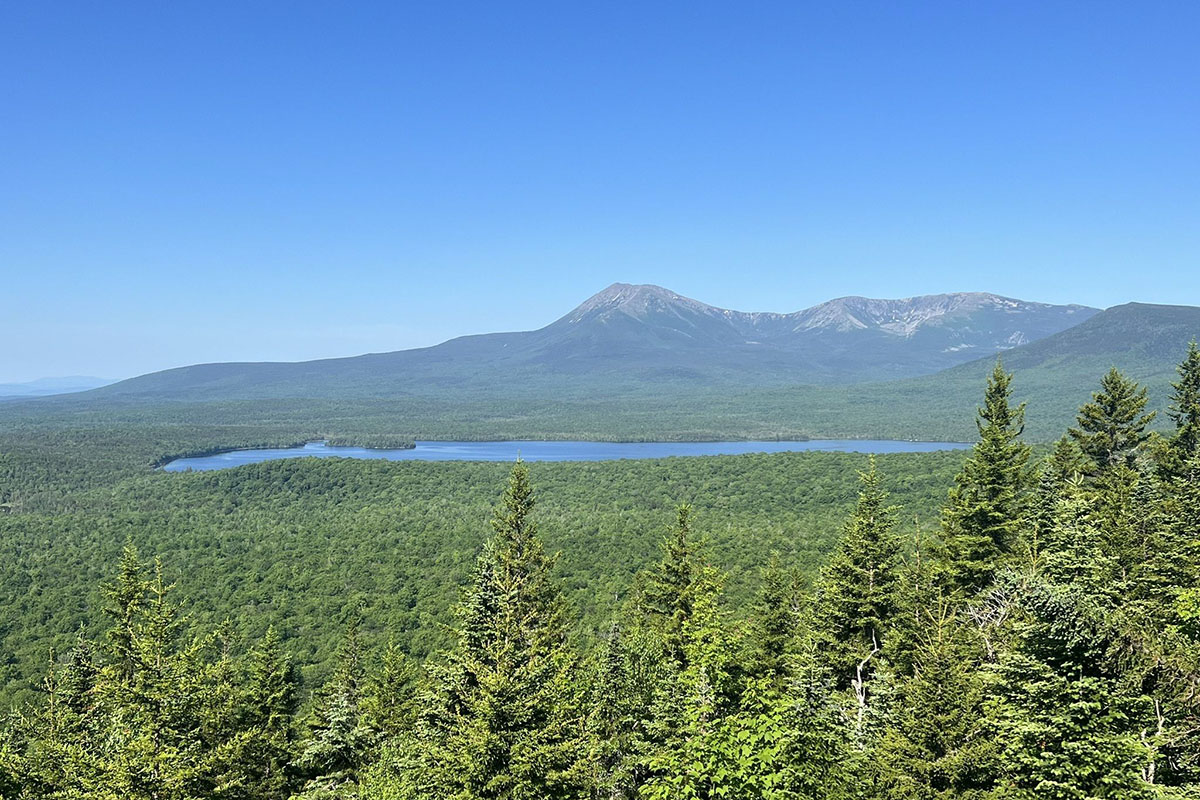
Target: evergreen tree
<point>776,618</point>
<point>389,702</point>
<point>988,502</point>
<point>1112,427</point>
<point>1184,411</point>
<point>271,703</point>
<point>936,749</point>
<point>668,592</point>
<point>501,718</point>
<point>152,693</point>
<point>857,594</point>
<point>338,741</point>
<point>628,671</point>
<point>1064,728</point>
<point>694,708</point>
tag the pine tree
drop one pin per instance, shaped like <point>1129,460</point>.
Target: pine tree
<point>501,718</point>
<point>1112,427</point>
<point>988,503</point>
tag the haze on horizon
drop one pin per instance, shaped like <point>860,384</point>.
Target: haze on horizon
<point>193,183</point>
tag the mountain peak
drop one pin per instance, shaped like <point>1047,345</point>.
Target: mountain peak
<point>635,300</point>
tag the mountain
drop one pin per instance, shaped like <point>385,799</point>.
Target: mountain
<point>643,363</point>
<point>48,386</point>
<point>629,334</point>
<point>1057,374</point>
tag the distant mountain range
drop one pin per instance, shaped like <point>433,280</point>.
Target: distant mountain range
<point>642,362</point>
<point>48,386</point>
<point>647,333</point>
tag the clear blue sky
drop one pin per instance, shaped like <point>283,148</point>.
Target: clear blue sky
<point>185,182</point>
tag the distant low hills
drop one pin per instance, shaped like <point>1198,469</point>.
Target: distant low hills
<point>646,333</point>
<point>48,386</point>
<point>642,362</point>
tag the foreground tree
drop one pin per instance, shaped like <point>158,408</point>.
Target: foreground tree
<point>501,719</point>
<point>668,594</point>
<point>857,594</point>
<point>1111,428</point>
<point>988,503</point>
<point>1184,411</point>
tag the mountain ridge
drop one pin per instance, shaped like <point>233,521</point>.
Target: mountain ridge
<point>638,333</point>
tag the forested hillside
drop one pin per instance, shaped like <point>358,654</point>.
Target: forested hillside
<point>1041,641</point>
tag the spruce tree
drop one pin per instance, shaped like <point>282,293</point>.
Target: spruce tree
<point>389,703</point>
<point>338,741</point>
<point>857,593</point>
<point>1112,427</point>
<point>936,748</point>
<point>988,502</point>
<point>776,618</point>
<point>271,702</point>
<point>1063,725</point>
<point>629,669</point>
<point>500,719</point>
<point>695,707</point>
<point>1184,411</point>
<point>668,593</point>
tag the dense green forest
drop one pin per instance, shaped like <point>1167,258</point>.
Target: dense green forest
<point>1039,638</point>
<point>299,543</point>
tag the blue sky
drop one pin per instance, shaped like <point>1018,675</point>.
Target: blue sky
<point>185,182</point>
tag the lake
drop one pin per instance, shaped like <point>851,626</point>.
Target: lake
<point>553,451</point>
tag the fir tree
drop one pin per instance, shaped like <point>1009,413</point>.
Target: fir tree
<point>270,705</point>
<point>1112,427</point>
<point>1064,728</point>
<point>628,671</point>
<point>694,707</point>
<point>988,502</point>
<point>389,702</point>
<point>936,748</point>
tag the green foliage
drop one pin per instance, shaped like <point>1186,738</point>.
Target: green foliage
<point>857,595</point>
<point>1112,428</point>
<point>499,719</point>
<point>1184,410</point>
<point>299,544</point>
<point>987,505</point>
<point>1066,666</point>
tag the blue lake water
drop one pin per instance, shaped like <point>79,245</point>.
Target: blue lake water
<point>553,451</point>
